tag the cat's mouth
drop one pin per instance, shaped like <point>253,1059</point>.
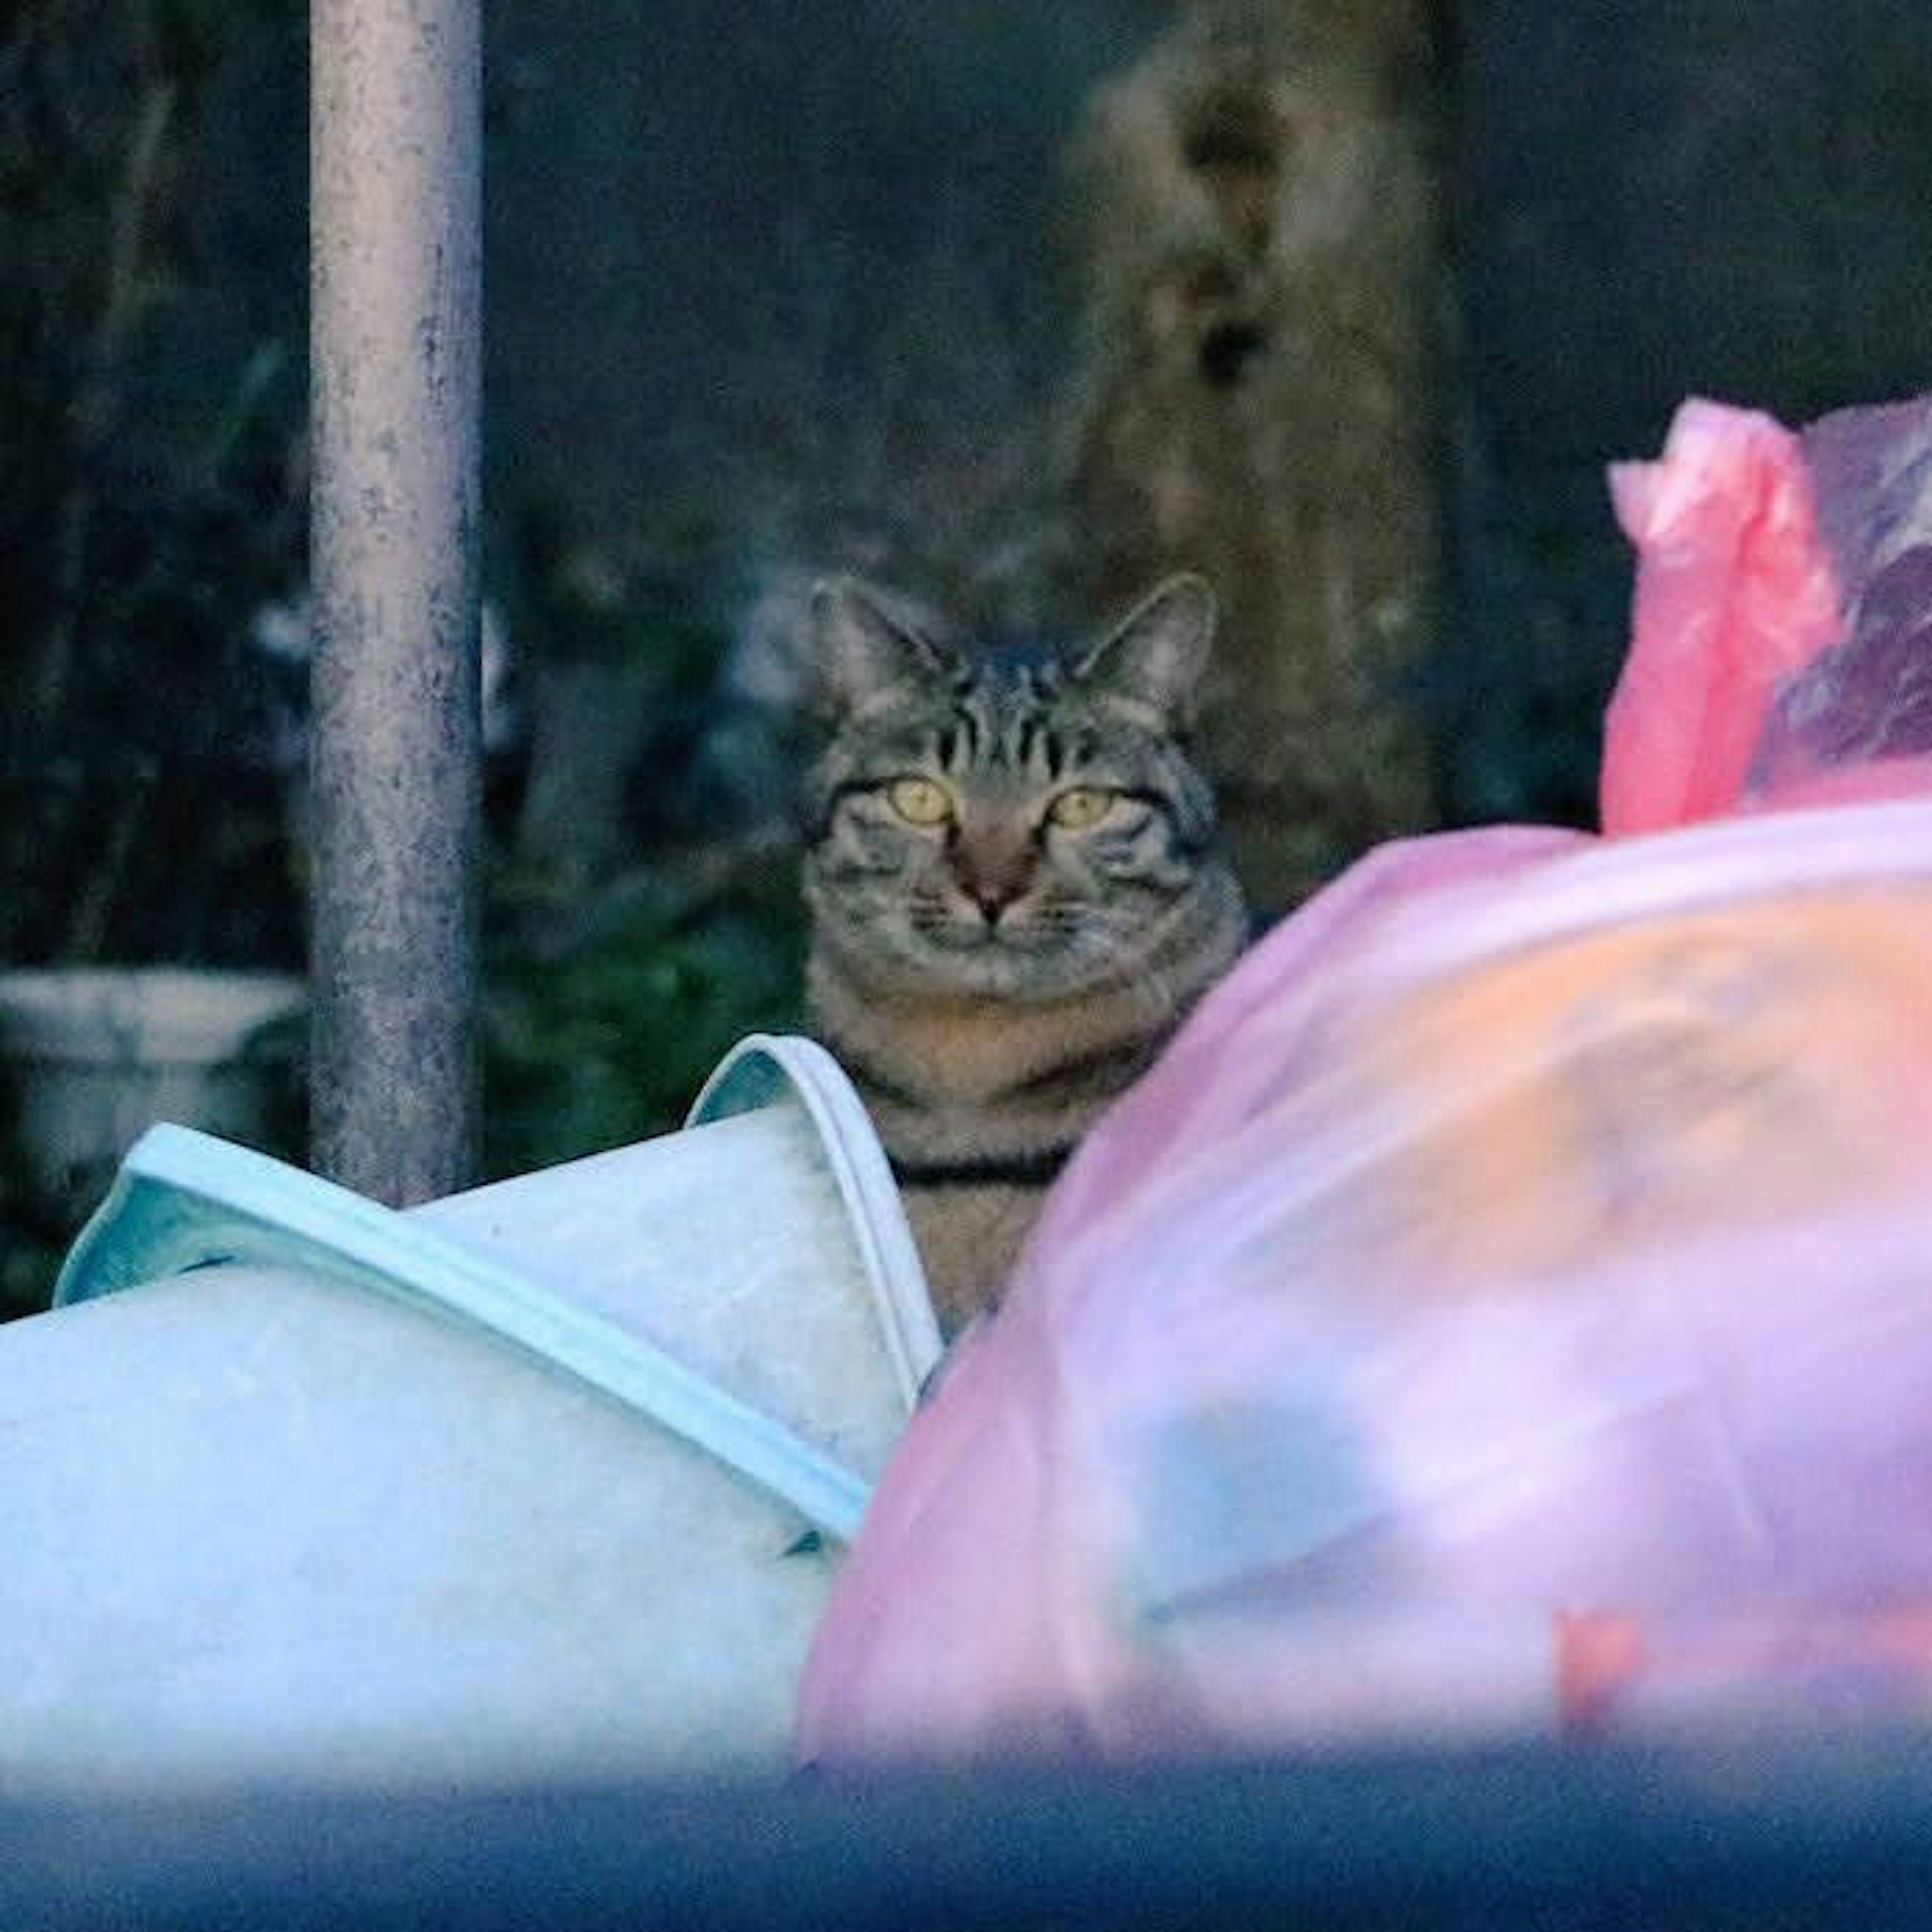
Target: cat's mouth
<point>969,939</point>
<point>1012,928</point>
<point>1007,955</point>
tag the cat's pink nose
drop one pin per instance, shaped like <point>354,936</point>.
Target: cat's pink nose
<point>992,880</point>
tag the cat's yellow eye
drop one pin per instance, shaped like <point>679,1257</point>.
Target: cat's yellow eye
<point>919,801</point>
<point>1079,806</point>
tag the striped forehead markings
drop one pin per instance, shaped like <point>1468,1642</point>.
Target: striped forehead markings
<point>961,740</point>
<point>985,725</point>
<point>1005,719</point>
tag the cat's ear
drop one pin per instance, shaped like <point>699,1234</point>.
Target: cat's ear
<point>860,641</point>
<point>1155,656</point>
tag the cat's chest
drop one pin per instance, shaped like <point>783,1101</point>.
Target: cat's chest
<point>953,1052</point>
<point>968,1239</point>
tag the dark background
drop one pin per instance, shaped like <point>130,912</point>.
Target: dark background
<point>1654,201</point>
<point>758,278</point>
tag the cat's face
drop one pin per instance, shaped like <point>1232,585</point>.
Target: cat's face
<point>1008,827</point>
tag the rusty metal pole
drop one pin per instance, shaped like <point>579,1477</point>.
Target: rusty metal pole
<point>395,166</point>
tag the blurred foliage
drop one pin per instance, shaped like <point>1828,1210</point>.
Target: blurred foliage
<point>153,499</point>
<point>149,498</point>
<point>645,914</point>
<point>32,1239</point>
<point>28,1263</point>
<point>610,1042</point>
<point>151,494</point>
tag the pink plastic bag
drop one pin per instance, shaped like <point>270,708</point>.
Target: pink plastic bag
<point>1509,1302</point>
<point>1754,678</point>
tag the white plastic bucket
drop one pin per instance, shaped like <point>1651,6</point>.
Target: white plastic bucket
<point>96,1053</point>
<point>520,1483</point>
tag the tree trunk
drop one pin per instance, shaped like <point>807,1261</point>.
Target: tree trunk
<point>1258,210</point>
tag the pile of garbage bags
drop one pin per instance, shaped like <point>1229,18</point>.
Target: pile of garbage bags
<point>1507,1306</point>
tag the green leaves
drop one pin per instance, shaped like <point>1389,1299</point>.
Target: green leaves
<point>609,1042</point>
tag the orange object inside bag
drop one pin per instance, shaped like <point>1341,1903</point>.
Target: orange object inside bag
<point>1720,1069</point>
<point>1606,1661</point>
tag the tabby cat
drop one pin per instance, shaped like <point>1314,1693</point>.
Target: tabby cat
<point>1014,892</point>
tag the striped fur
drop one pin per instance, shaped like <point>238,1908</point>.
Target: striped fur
<point>1015,892</point>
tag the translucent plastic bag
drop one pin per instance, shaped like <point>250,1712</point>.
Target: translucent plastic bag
<point>1509,1302</point>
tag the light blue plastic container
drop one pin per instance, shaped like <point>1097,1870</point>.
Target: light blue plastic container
<point>543,1480</point>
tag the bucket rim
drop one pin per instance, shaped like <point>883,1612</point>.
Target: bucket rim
<point>184,1199</point>
<point>788,1066</point>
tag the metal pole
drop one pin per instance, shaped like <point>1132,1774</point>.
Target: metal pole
<point>395,165</point>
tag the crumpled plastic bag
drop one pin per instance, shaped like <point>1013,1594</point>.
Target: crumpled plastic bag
<point>1783,653</point>
<point>1507,1305</point>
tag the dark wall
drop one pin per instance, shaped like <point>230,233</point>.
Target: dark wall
<point>714,232</point>
<point>724,242</point>
<point>1656,199</point>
